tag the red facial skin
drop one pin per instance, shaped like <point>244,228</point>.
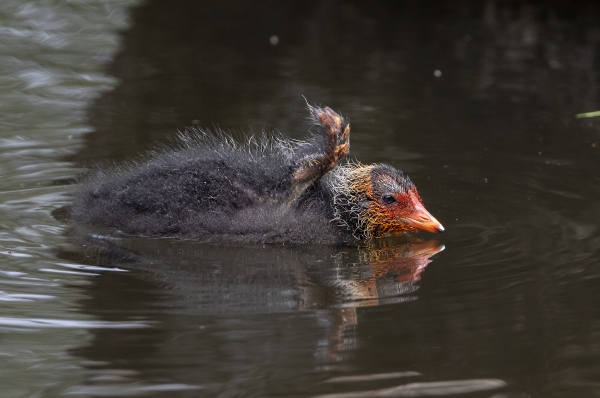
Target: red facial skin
<point>386,202</point>
<point>407,213</point>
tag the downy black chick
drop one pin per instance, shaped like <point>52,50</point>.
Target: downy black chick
<point>264,190</point>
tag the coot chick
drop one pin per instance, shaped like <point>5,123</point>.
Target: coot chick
<point>270,189</point>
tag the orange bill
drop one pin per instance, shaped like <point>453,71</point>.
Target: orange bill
<point>420,218</point>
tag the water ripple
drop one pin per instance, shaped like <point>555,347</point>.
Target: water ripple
<point>23,297</point>
<point>427,389</point>
<point>119,390</point>
<point>371,377</point>
<point>41,323</point>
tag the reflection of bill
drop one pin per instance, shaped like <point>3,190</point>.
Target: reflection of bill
<point>383,275</point>
<point>404,263</point>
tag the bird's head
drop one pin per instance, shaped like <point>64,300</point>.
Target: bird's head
<point>378,200</point>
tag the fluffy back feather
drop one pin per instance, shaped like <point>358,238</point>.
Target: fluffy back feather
<point>206,186</point>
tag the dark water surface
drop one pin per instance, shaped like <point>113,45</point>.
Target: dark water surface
<point>476,101</point>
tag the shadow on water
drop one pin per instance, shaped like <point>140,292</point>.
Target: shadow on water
<point>475,100</point>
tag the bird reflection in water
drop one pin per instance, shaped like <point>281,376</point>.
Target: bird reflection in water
<point>224,280</point>
<point>384,274</point>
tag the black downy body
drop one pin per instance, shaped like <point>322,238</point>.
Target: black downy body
<point>268,189</point>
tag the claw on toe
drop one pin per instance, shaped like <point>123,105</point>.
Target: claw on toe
<point>336,132</point>
<point>331,120</point>
<point>346,132</point>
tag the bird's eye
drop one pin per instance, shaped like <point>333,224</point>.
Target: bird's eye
<point>388,199</point>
